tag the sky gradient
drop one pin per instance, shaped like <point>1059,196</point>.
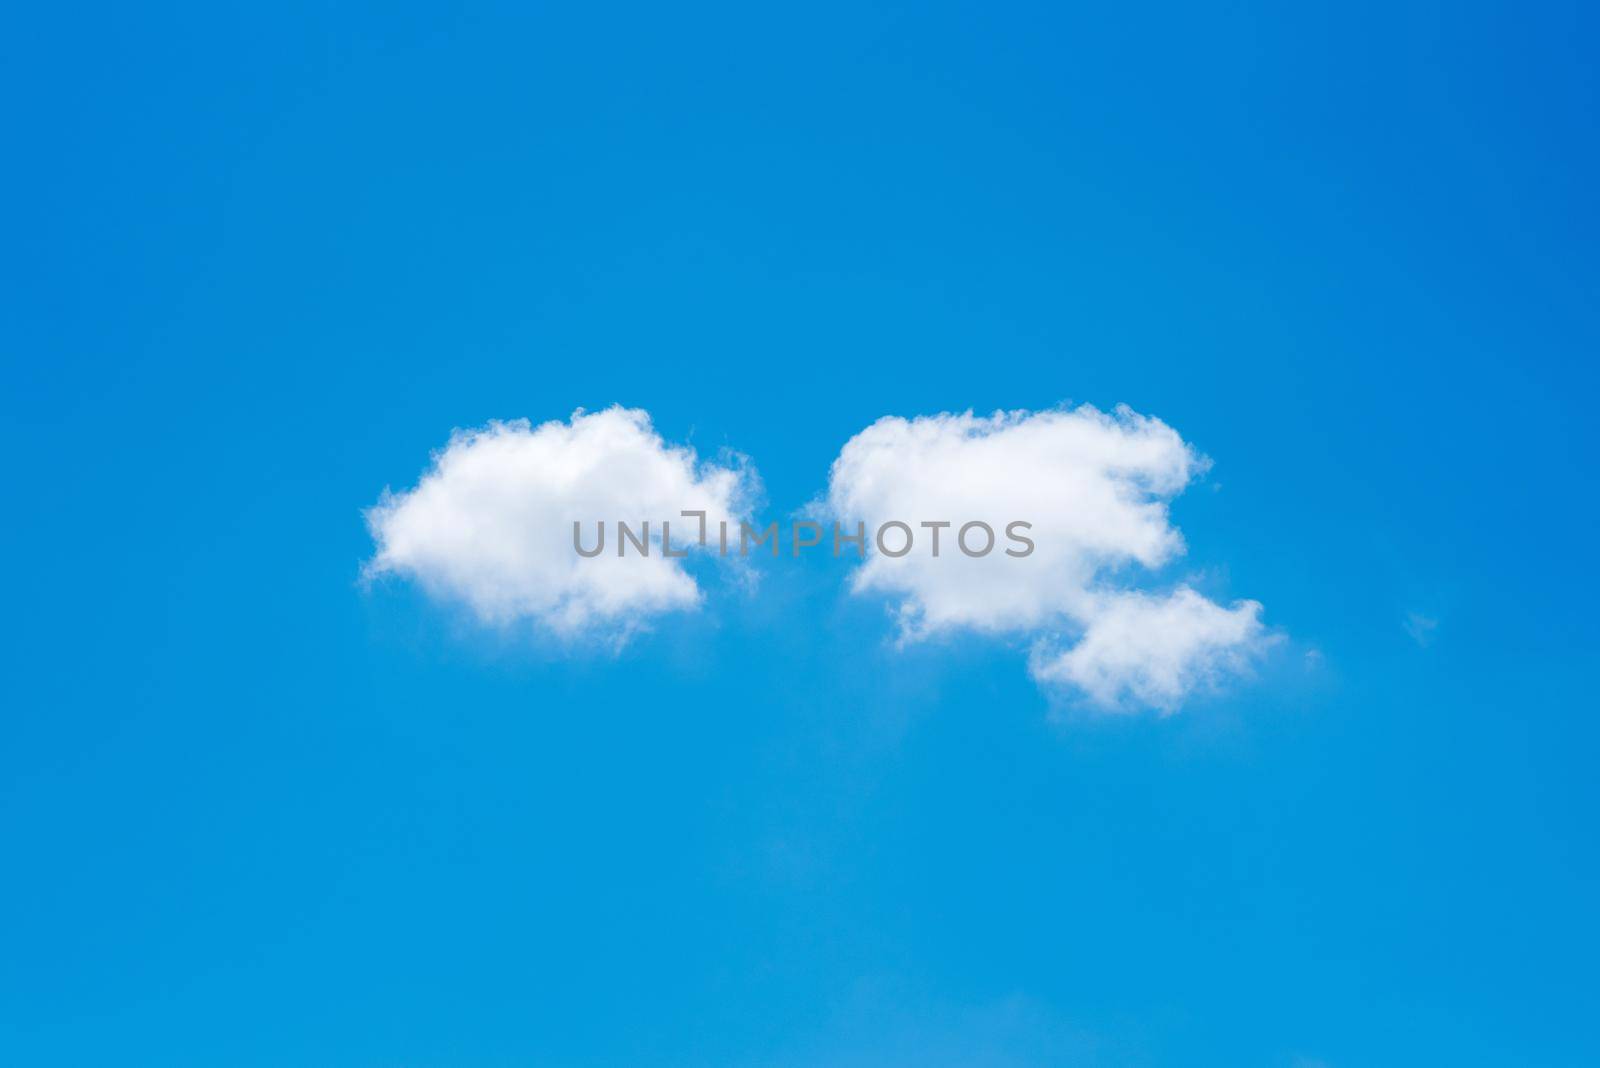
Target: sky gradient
<point>255,810</point>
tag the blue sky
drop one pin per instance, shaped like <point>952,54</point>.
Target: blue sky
<point>256,811</point>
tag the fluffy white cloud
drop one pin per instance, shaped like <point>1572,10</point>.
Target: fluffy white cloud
<point>1095,488</point>
<point>1140,649</point>
<point>489,525</point>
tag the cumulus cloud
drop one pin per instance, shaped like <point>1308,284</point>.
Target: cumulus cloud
<point>1141,649</point>
<point>1095,488</point>
<point>489,524</point>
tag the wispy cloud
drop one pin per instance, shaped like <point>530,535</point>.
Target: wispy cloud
<point>1420,627</point>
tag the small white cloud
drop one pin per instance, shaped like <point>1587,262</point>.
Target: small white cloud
<point>1094,487</point>
<point>489,525</point>
<point>1148,650</point>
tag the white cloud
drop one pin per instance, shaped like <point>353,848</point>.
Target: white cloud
<point>1095,488</point>
<point>489,525</point>
<point>1139,649</point>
